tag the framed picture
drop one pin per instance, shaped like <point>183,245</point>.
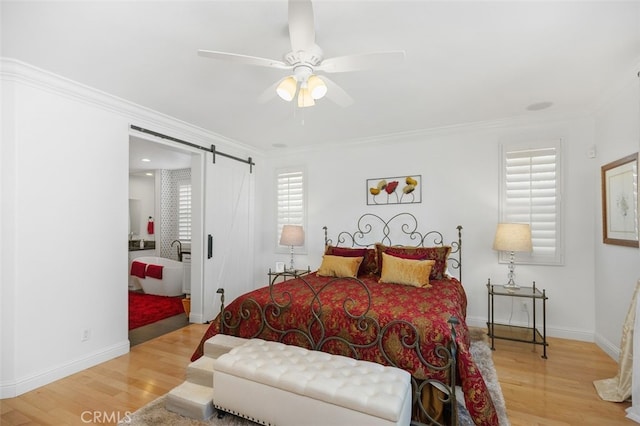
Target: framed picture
<point>620,201</point>
<point>279,266</point>
<point>395,190</point>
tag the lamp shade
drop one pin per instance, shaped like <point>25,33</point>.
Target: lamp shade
<point>304,98</point>
<point>317,87</point>
<point>287,88</point>
<point>513,237</point>
<point>292,235</point>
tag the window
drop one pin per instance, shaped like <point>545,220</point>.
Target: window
<point>530,193</point>
<point>184,211</point>
<point>291,203</point>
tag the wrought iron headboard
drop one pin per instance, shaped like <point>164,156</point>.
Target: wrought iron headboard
<point>400,229</point>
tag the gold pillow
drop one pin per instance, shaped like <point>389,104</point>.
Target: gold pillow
<point>406,271</point>
<point>339,266</point>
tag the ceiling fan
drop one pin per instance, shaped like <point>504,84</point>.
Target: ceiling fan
<point>306,59</point>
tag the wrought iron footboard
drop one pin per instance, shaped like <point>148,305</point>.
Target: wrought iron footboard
<point>316,334</point>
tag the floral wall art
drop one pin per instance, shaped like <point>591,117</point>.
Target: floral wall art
<point>395,190</point>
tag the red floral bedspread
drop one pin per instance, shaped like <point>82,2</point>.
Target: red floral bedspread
<point>326,322</point>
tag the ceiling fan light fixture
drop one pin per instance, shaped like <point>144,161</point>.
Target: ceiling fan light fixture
<point>317,87</point>
<point>287,88</point>
<point>304,98</point>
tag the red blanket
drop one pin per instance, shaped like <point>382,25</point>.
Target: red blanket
<point>428,309</point>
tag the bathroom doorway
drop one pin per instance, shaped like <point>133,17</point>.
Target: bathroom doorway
<point>159,221</point>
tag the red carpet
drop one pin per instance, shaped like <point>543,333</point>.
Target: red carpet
<point>147,308</point>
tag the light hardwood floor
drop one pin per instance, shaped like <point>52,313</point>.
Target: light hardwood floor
<point>555,391</point>
<point>558,390</point>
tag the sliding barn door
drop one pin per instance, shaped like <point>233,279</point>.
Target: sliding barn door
<point>228,232</point>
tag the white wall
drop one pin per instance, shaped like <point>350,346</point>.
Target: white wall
<point>65,186</point>
<point>64,220</point>
<point>617,268</point>
<point>460,178</point>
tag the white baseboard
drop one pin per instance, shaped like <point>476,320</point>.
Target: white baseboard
<point>612,350</point>
<point>26,384</point>
<point>562,333</point>
<point>584,336</point>
<point>196,318</point>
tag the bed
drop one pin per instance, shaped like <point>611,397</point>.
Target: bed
<point>369,300</point>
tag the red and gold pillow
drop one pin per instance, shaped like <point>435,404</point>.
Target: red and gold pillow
<point>369,263</point>
<point>439,254</point>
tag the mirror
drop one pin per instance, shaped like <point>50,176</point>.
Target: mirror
<point>134,217</point>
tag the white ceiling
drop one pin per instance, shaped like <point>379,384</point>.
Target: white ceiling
<point>146,156</point>
<point>465,62</point>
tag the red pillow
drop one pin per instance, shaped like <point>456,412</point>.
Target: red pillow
<point>439,253</point>
<point>348,252</point>
<point>412,256</point>
<point>369,263</point>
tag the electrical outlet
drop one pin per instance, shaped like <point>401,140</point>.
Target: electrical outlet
<point>86,335</point>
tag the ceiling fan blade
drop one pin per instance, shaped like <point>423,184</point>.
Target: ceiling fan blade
<point>244,59</point>
<point>337,93</point>
<point>361,61</point>
<point>302,31</point>
<point>270,92</point>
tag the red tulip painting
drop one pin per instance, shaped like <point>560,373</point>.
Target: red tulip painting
<point>395,190</point>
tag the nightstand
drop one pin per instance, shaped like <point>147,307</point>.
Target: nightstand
<point>287,274</point>
<point>518,333</point>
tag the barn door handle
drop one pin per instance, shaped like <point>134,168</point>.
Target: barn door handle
<point>209,246</point>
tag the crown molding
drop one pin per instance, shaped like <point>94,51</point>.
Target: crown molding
<point>12,70</point>
<point>524,120</point>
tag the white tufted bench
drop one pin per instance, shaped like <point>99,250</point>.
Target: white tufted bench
<point>277,384</point>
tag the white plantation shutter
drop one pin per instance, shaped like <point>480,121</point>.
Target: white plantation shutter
<point>290,200</point>
<point>184,211</point>
<point>531,194</point>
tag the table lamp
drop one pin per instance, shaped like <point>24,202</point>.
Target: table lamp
<point>512,237</point>
<point>292,235</point>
